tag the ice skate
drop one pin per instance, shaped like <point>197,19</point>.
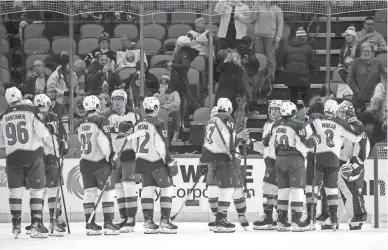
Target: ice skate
<point>324,221</point>
<point>121,224</point>
<point>130,225</point>
<point>61,222</point>
<point>149,226</point>
<point>222,225</point>
<point>212,226</point>
<point>59,231</point>
<point>28,229</point>
<point>16,226</point>
<point>357,221</point>
<point>166,227</point>
<point>265,223</point>
<point>334,219</point>
<point>243,222</point>
<point>297,225</point>
<point>311,213</point>
<point>282,223</point>
<point>111,229</point>
<point>93,229</point>
<point>38,230</point>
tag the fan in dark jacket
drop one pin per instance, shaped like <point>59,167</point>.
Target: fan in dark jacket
<point>103,43</point>
<point>231,83</point>
<point>298,66</point>
<point>183,56</point>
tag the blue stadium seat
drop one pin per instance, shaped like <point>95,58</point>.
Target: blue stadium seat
<point>158,72</point>
<point>158,58</point>
<point>178,16</point>
<point>177,30</point>
<point>91,30</point>
<point>3,31</point>
<point>154,31</point>
<point>33,30</point>
<point>128,30</point>
<point>86,45</point>
<point>4,46</point>
<point>157,18</point>
<point>4,62</point>
<point>126,72</point>
<point>39,45</point>
<point>62,43</point>
<point>5,76</point>
<point>115,43</point>
<point>152,46</point>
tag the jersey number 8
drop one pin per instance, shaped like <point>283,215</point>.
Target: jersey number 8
<point>329,138</point>
<point>17,133</point>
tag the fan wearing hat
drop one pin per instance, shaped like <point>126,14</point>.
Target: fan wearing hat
<point>103,48</point>
<point>347,53</point>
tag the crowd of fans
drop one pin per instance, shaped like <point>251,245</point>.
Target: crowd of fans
<point>238,71</point>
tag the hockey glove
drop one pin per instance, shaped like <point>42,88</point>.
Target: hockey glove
<point>266,140</point>
<point>173,168</point>
<point>203,169</point>
<point>313,141</point>
<point>114,160</point>
<point>63,148</point>
<point>51,126</point>
<point>124,127</point>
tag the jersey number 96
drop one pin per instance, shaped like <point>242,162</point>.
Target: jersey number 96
<point>17,133</point>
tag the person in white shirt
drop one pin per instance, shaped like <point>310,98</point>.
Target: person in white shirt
<point>128,55</point>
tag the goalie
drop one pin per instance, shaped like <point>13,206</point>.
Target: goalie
<point>351,173</point>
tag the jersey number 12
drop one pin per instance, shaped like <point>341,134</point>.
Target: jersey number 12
<point>140,147</point>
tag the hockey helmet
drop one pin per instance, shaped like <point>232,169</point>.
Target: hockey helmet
<point>27,102</point>
<point>12,95</point>
<point>91,103</point>
<point>346,112</point>
<point>151,103</point>
<point>119,93</point>
<point>42,100</point>
<point>331,106</point>
<point>213,112</point>
<point>225,105</point>
<point>274,104</point>
<point>288,109</point>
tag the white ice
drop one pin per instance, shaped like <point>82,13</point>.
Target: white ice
<point>197,236</point>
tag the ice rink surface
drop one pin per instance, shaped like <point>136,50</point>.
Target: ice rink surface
<point>197,236</point>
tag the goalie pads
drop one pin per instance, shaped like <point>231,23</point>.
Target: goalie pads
<point>351,171</point>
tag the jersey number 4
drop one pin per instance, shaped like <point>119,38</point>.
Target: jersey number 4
<point>140,147</point>
<point>17,133</point>
<point>86,144</point>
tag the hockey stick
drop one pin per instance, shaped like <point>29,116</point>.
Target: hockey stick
<point>63,197</point>
<point>313,207</point>
<point>172,218</point>
<point>129,137</point>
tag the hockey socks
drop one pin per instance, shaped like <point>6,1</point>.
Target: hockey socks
<point>36,203</point>
<point>297,197</point>
<point>130,199</point>
<point>213,193</point>
<point>15,201</point>
<point>166,201</point>
<point>108,205</point>
<point>120,198</point>
<point>239,201</point>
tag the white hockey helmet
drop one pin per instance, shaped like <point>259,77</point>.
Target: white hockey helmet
<point>12,95</point>
<point>27,102</point>
<point>91,103</point>
<point>119,93</point>
<point>42,100</point>
<point>275,104</point>
<point>214,111</point>
<point>151,103</point>
<point>331,106</point>
<point>288,109</point>
<point>225,105</point>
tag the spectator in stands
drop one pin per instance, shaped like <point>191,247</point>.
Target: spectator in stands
<point>251,66</point>
<point>79,69</point>
<point>369,32</point>
<point>105,103</point>
<point>60,81</point>
<point>170,102</point>
<point>56,108</point>
<point>298,66</point>
<point>102,76</point>
<point>268,31</point>
<point>347,53</point>
<point>36,81</point>
<point>151,84</point>
<point>182,57</point>
<point>200,37</point>
<point>128,56</point>
<point>360,73</point>
<point>235,18</point>
<point>373,117</point>
<point>231,83</point>
<point>103,48</point>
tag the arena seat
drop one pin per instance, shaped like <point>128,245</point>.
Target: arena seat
<point>62,43</point>
<point>5,76</point>
<point>124,73</point>
<point>32,58</point>
<point>91,30</point>
<point>177,30</point>
<point>39,45</point>
<point>154,31</point>
<point>179,16</point>
<point>156,18</point>
<point>199,63</point>
<point>152,46</point>
<point>200,118</point>
<point>129,30</point>
<point>158,58</point>
<point>381,22</point>
<point>158,72</point>
<point>194,80</point>
<point>4,46</point>
<point>4,62</point>
<point>3,31</point>
<point>33,30</point>
<point>86,45</point>
<point>169,45</point>
<point>115,43</point>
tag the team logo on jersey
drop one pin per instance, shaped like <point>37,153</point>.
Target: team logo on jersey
<point>3,177</point>
<point>74,182</point>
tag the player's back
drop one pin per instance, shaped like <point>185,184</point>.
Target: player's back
<point>286,137</point>
<point>93,134</point>
<point>217,147</point>
<point>22,130</point>
<point>152,146</point>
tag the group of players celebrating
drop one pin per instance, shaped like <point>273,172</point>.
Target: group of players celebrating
<point>118,144</point>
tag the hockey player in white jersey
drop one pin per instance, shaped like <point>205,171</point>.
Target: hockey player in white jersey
<point>51,161</point>
<point>270,188</point>
<point>98,160</point>
<point>22,133</point>
<point>220,151</point>
<point>332,132</point>
<point>154,163</point>
<point>351,172</point>
<point>122,119</point>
